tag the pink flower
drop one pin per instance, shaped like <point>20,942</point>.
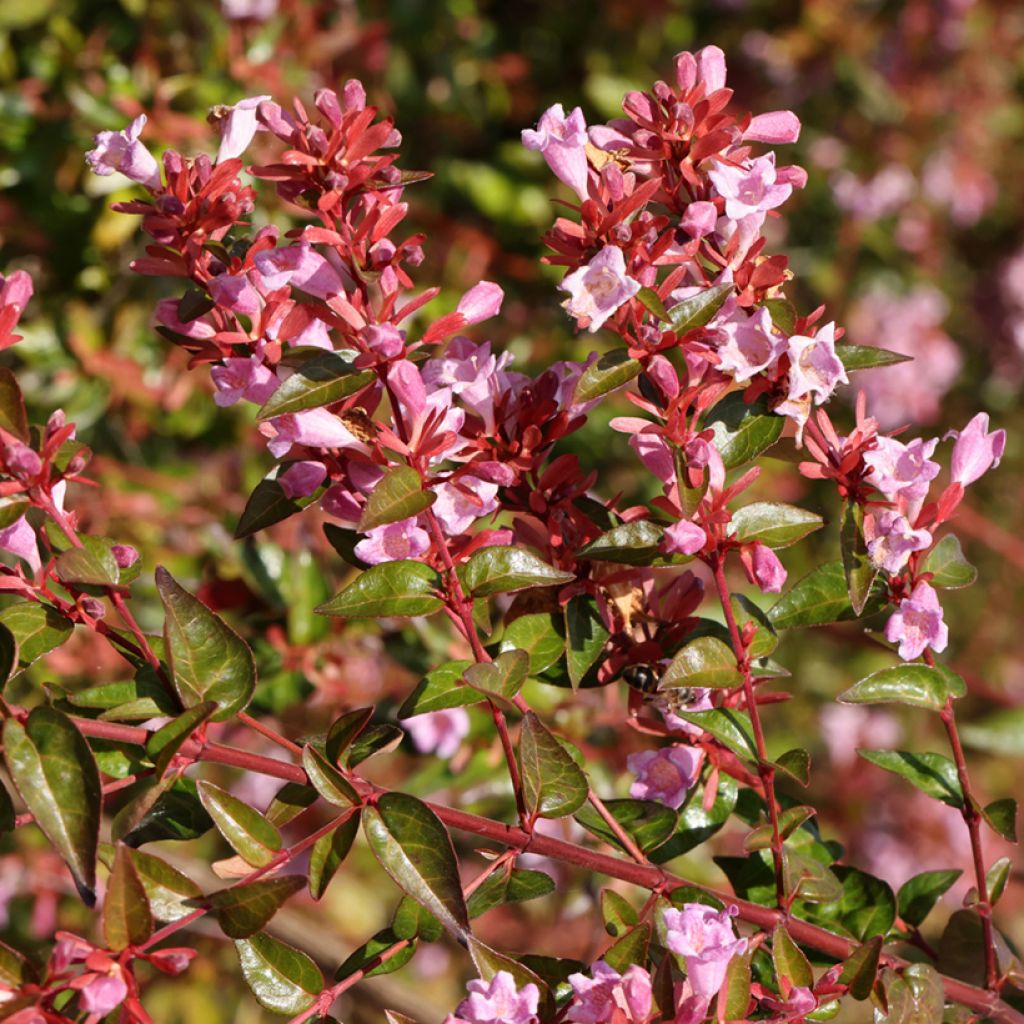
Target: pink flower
<point>499,1002</point>
<point>749,189</point>
<point>302,478</point>
<point>439,732</point>
<point>774,127</point>
<point>461,502</point>
<point>237,126</point>
<point>976,450</point>
<point>103,992</point>
<point>598,288</point>
<point>763,567</point>
<point>473,374</point>
<point>481,302</point>
<point>122,151</point>
<point>125,555</point>
<point>902,472</point>
<point>20,539</point>
<point>664,775</point>
<point>384,339</point>
<point>238,377</point>
<point>300,267</point>
<point>393,542</point>
<point>800,1002</point>
<point>891,540</point>
<point>699,219</point>
<point>749,344</point>
<point>16,289</point>
<point>815,369</point>
<point>235,292</point>
<point>258,10</point>
<point>314,428</point>
<point>562,141</point>
<point>684,538</point>
<point>706,939</point>
<point>167,316</point>
<point>918,624</point>
<point>596,999</point>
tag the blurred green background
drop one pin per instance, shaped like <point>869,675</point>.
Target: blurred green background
<point>911,230</point>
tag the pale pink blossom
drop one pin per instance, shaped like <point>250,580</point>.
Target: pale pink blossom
<point>481,302</point>
<point>384,339</point>
<point>472,373</point>
<point>800,1002</point>
<point>167,316</point>
<point>122,151</point>
<point>302,478</point>
<point>918,624</point>
<point>103,992</point>
<point>235,292</point>
<point>815,369</point>
<point>125,555</point>
<point>20,539</point>
<point>15,290</point>
<point>845,727</point>
<point>314,428</point>
<point>240,377</point>
<point>237,127</point>
<point>393,542</point>
<point>774,127</point>
<point>258,10</point>
<point>497,1002</point>
<point>902,472</point>
<point>976,450</point>
<point>951,178</point>
<point>562,141</point>
<point>301,267</point>
<point>880,196</point>
<point>891,540</point>
<point>705,938</point>
<point>439,732</point>
<point>751,188</point>
<point>599,288</point>
<point>461,502</point>
<point>683,538</point>
<point>665,775</point>
<point>763,567</point>
<point>596,999</point>
<point>699,219</point>
<point>748,344</point>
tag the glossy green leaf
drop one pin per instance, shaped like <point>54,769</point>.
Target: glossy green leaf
<point>790,962</point>
<point>329,853</point>
<point>630,948</point>
<point>344,731</point>
<point>773,523</point>
<point>1001,817</point>
<point>913,684</point>
<point>790,820</point>
<point>647,823</point>
<point>618,914</point>
<point>489,962</point>
<point>652,302</point>
<point>53,768</point>
<point>247,831</point>
<point>268,504</point>
<point>553,784</point>
<point>289,802</point>
<point>13,417</point>
<point>208,659</point>
<point>861,967</point>
<point>169,738</point>
<point>865,357</point>
<point>502,570</point>
<point>933,774</point>
<point>12,508</point>
<point>327,780</point>
<point>864,907</point>
<point>411,921</point>
<point>704,662</point>
<point>700,309</point>
<point>404,588</point>
<point>170,810</point>
<point>1001,733</point>
<point>796,764</point>
<point>399,495</point>
<point>996,878</point>
<point>819,598</point>
<point>540,634</point>
<point>861,571</point>
<point>609,372</point>
<point>283,979</point>
<point>377,739</point>
<point>808,879</point>
<point>245,909</point>
<point>37,629</point>
<point>741,431</point>
<point>918,895</point>
<point>127,920</point>
<point>324,378</point>
<point>500,679</point>
<point>949,568</point>
<point>92,563</point>
<point>730,727</point>
<point>367,957</point>
<point>734,995</point>
<point>585,636</point>
<point>518,886</point>
<point>443,688</point>
<point>171,895</point>
<point>137,699</point>
<point>636,543</point>
<point>414,848</point>
<point>15,969</point>
<point>696,825</point>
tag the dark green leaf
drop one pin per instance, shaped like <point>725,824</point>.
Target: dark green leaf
<point>635,543</point>
<point>15,969</point>
<point>127,920</point>
<point>245,909</point>
<point>137,699</point>
<point>704,662</point>
<point>809,879</point>
<point>864,907</point>
<point>618,913</point>
<point>501,570</point>
<point>773,523</point>
<point>36,628</point>
<point>647,823</point>
<point>344,731</point>
<point>819,598</point>
<point>585,634</point>
<point>860,571</point>
<point>913,684</point>
<point>208,659</point>
<point>861,967</point>
<point>783,314</point>
<point>174,812</point>
<point>92,563</point>
<point>321,380</point>
<point>1001,817</point>
<point>416,851</point>
<point>291,800</point>
<point>370,952</point>
<point>933,774</point>
<point>247,831</point>
<point>553,785</point>
<point>865,357</point>
<point>282,979</point>
<point>700,309</point>
<point>796,764</point>
<point>12,509</point>
<point>734,995</point>
<point>652,301</point>
<point>540,634</point>
<point>697,825</point>
<point>171,895</point>
<point>12,406</point>
<point>377,739</point>
<point>962,946</point>
<point>948,566</point>
<point>53,769</point>
<point>517,887</point>
<point>730,727</point>
<point>500,679</point>
<point>741,431</point>
<point>443,688</point>
<point>399,495</point>
<point>790,962</point>
<point>403,588</point>
<point>611,371</point>
<point>411,921</point>
<point>268,504</point>
<point>489,962</point>
<point>169,738</point>
<point>329,852</point>
<point>327,780</point>
<point>631,948</point>
<point>996,878</point>
<point>919,894</point>
<point>789,821</point>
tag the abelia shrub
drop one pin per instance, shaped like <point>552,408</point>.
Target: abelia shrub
<point>440,471</point>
